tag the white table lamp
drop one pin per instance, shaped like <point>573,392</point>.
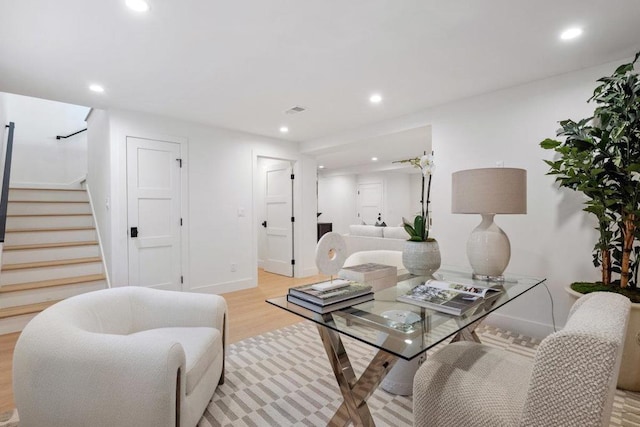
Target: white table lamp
<point>488,192</point>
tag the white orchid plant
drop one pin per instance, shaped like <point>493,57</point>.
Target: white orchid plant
<point>419,230</point>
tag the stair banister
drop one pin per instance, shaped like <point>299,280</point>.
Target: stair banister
<point>4,195</point>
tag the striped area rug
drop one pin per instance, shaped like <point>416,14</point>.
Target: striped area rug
<point>283,378</point>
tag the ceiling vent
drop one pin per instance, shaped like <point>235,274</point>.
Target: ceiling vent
<point>295,110</point>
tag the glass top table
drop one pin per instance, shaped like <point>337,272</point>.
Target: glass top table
<point>418,333</point>
<point>398,330</point>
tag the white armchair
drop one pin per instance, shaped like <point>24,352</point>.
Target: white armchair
<point>571,381</point>
<point>126,356</point>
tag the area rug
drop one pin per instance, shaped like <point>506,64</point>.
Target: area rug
<point>283,378</point>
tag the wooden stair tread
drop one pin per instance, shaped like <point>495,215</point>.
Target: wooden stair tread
<point>25,309</point>
<point>51,283</point>
<point>47,189</point>
<point>55,263</point>
<point>49,245</point>
<point>48,201</point>
<point>38,230</point>
<point>46,215</point>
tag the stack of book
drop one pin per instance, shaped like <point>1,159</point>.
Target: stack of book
<point>327,296</point>
<point>379,276</point>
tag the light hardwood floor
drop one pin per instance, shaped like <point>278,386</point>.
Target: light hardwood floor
<point>249,315</point>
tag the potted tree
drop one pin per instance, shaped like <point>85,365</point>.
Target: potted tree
<point>600,157</point>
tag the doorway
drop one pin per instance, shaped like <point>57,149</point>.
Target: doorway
<point>370,202</point>
<point>275,213</point>
<point>153,213</point>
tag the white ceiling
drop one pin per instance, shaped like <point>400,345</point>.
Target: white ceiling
<point>239,64</point>
<point>356,157</point>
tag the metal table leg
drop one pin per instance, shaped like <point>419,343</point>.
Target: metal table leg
<point>355,392</point>
<point>468,333</point>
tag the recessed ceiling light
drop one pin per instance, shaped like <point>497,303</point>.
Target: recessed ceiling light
<point>284,129</point>
<point>137,5</point>
<point>375,98</point>
<point>374,159</point>
<point>321,167</point>
<point>96,88</point>
<point>571,33</point>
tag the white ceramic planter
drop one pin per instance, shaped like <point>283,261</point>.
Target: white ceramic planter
<point>629,378</point>
<point>421,258</point>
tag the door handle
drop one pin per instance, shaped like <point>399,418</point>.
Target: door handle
<point>264,224</point>
<point>134,232</point>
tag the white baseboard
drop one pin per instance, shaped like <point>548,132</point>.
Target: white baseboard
<point>261,264</point>
<point>307,272</point>
<point>222,288</point>
<point>521,326</point>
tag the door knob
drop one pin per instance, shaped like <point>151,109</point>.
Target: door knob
<point>264,224</point>
<point>134,232</point>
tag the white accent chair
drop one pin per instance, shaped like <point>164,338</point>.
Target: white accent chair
<point>127,356</point>
<point>571,381</point>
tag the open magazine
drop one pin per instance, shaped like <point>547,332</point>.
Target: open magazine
<point>476,290</point>
<point>448,297</point>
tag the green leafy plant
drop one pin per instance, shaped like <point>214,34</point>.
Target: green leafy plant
<point>419,230</point>
<point>600,157</point>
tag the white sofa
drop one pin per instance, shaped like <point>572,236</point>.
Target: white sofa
<point>371,237</point>
<point>121,357</point>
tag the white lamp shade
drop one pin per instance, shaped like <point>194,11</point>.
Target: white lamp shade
<point>489,191</point>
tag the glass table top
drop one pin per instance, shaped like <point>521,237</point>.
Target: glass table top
<point>407,330</point>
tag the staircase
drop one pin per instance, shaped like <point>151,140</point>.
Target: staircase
<point>50,253</point>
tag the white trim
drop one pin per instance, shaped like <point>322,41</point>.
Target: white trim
<point>224,287</point>
<point>310,272</point>
<point>95,224</point>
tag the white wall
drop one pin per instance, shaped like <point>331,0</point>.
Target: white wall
<point>397,196</point>
<point>38,157</point>
<point>337,198</point>
<point>220,174</point>
<point>555,238</point>
<point>337,201</point>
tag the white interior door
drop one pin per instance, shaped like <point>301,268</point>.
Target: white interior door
<point>278,212</point>
<point>369,202</point>
<point>153,184</point>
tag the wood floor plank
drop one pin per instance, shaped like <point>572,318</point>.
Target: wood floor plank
<point>25,309</point>
<point>38,230</point>
<point>51,283</point>
<point>48,201</point>
<point>49,245</point>
<point>46,215</point>
<point>54,263</point>
<point>46,189</point>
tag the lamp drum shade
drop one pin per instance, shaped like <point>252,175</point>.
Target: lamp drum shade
<point>489,191</point>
